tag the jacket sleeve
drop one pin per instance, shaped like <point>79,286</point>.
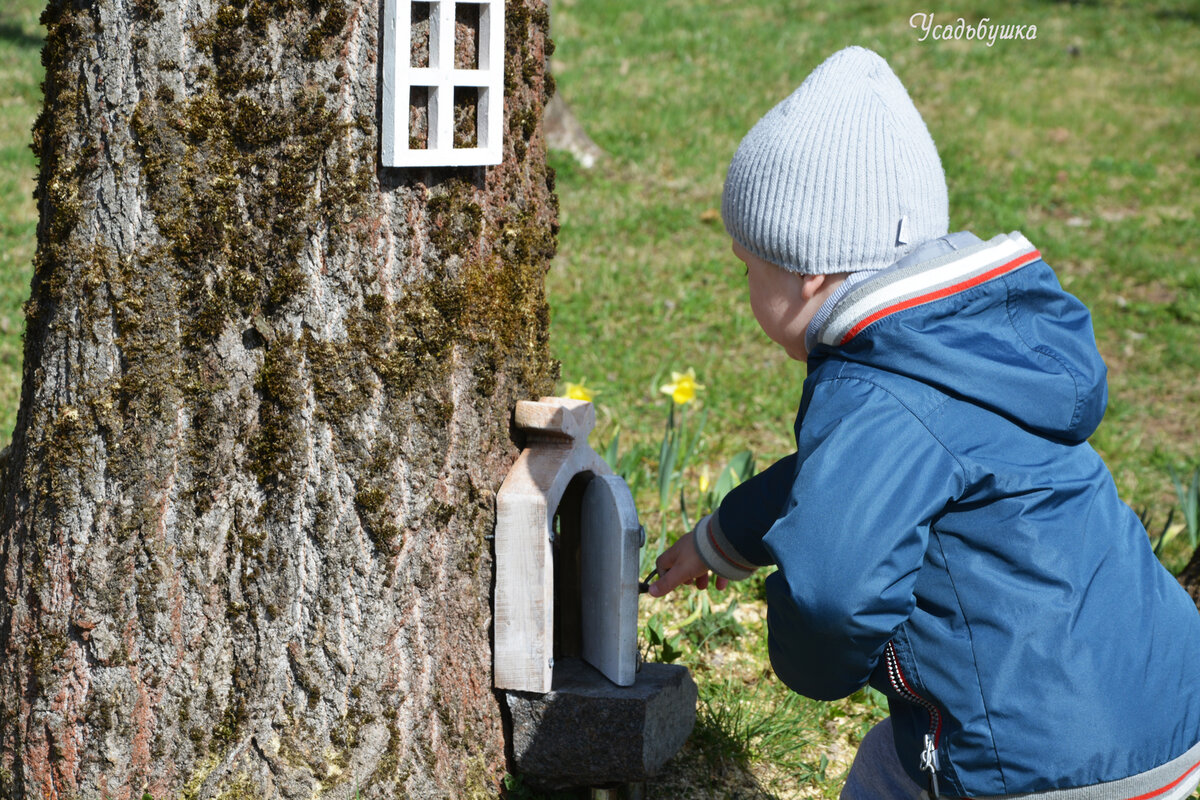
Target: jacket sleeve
<point>745,515</point>
<point>852,538</point>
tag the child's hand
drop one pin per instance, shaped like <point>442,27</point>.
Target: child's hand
<point>681,564</point>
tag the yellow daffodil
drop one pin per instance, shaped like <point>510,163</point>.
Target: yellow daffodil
<point>683,387</point>
<point>577,391</point>
<point>705,481</point>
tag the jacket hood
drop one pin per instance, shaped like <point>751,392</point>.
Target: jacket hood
<point>985,321</point>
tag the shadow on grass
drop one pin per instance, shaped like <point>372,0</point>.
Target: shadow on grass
<point>18,36</point>
<point>1191,15</point>
<point>1185,12</point>
<point>751,742</point>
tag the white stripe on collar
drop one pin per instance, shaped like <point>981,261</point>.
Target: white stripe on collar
<point>890,291</point>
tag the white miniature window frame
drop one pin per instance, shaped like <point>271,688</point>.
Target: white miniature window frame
<point>441,78</point>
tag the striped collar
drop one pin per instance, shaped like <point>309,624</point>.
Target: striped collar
<point>903,287</point>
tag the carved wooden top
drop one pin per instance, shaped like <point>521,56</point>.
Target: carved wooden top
<point>573,419</point>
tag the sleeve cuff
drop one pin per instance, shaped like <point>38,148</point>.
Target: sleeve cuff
<point>718,554</point>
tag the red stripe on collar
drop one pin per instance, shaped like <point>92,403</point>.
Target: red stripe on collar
<point>1009,266</point>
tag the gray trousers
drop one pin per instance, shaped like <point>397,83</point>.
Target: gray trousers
<point>876,773</point>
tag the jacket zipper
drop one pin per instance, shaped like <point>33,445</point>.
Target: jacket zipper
<point>929,755</point>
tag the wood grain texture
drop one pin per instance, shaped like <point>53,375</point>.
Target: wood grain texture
<point>555,453</point>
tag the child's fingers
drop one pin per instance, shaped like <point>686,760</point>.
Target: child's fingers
<point>671,578</point>
<point>669,558</point>
<point>668,580</point>
<point>679,564</point>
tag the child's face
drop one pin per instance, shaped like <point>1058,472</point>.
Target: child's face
<point>785,302</point>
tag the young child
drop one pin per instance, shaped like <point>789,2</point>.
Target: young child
<point>944,532</point>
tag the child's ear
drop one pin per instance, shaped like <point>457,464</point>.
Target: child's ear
<point>811,285</point>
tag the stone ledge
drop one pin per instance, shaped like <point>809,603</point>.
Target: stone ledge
<point>587,731</point>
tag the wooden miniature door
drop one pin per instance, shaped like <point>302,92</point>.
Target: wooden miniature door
<point>610,541</point>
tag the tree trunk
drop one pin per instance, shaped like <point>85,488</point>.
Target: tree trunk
<point>265,408</point>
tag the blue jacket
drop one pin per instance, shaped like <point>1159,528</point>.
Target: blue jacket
<point>945,533</point>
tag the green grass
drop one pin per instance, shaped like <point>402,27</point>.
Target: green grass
<point>20,99</point>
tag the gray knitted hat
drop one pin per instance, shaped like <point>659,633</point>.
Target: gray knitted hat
<point>841,176</point>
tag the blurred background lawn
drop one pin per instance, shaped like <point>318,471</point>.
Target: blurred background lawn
<point>20,101</point>
<point>1084,139</point>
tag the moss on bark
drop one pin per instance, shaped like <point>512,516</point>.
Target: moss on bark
<point>247,341</point>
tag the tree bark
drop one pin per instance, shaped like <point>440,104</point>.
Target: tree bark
<point>266,404</point>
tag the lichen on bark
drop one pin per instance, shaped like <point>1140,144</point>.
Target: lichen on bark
<point>265,410</point>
